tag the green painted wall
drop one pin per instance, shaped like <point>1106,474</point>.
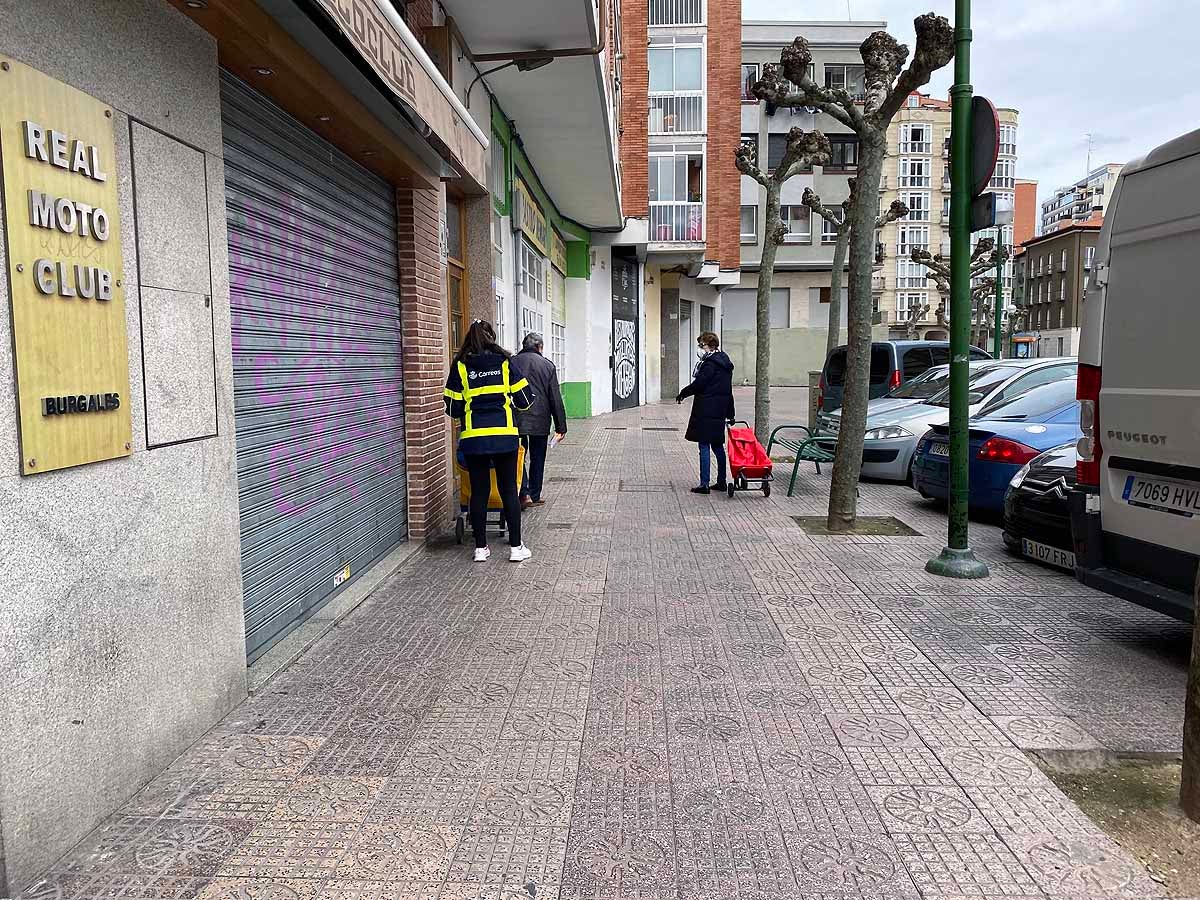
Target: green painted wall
<point>579,260</point>
<point>577,398</point>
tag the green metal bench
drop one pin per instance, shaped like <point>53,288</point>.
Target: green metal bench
<point>815,450</point>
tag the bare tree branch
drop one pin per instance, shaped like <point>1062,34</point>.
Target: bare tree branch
<point>804,150</point>
<point>746,160</point>
<point>898,210</point>
<point>935,49</point>
<point>835,215</point>
<point>778,87</point>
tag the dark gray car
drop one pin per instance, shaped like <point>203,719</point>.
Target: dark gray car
<point>892,364</point>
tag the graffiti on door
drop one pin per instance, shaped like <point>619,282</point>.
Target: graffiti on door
<point>624,357</point>
<point>293,345</point>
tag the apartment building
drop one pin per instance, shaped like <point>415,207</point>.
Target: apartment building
<point>1057,271</point>
<point>678,75</point>
<point>803,267</point>
<point>1083,200</point>
<point>917,171</point>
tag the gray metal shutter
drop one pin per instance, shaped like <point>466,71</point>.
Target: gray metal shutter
<point>314,289</point>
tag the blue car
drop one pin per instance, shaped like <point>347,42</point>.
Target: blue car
<point>1002,440</point>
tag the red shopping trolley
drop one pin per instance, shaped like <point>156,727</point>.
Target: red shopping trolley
<point>749,464</point>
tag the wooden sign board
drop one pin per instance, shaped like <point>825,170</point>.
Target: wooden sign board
<point>64,272</point>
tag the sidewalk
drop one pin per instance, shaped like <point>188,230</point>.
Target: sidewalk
<point>680,696</point>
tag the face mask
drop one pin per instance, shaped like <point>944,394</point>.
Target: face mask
<point>701,353</point>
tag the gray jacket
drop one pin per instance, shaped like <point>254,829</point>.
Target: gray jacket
<point>547,397</point>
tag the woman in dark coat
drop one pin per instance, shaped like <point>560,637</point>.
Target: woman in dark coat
<point>712,386</point>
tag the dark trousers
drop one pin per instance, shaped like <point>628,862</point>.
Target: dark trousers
<point>535,464</point>
<point>479,467</point>
<point>718,450</point>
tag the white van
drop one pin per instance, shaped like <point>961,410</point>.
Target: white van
<point>1135,510</point>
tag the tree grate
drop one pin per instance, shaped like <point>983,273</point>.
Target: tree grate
<point>877,526</point>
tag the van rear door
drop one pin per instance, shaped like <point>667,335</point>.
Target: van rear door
<point>1150,382</point>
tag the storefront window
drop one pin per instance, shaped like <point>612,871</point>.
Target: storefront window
<point>533,289</point>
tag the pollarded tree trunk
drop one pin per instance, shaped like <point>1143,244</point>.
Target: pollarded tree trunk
<point>1189,789</point>
<point>843,491</point>
<point>762,340</point>
<point>835,289</point>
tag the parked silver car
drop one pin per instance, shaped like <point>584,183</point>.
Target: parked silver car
<point>893,433</point>
<point>924,387</point>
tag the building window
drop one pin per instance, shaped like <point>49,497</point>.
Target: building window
<point>798,222</point>
<point>905,301</point>
<point>945,209</point>
<point>1008,140</point>
<point>845,153</point>
<point>915,173</point>
<point>533,289</point>
<point>913,101</point>
<point>499,172</point>
<point>829,231</point>
<point>749,79</point>
<point>456,275</point>
<point>1062,289</point>
<point>752,140</point>
<point>1062,263</point>
<point>1089,257</point>
<point>918,205</point>
<point>916,137</point>
<point>676,12</point>
<point>849,78</point>
<point>1005,174</point>
<point>677,193</point>
<point>558,348</point>
<point>912,237</point>
<point>674,69</point>
<point>749,224</point>
<point>776,147</point>
<point>910,274</point>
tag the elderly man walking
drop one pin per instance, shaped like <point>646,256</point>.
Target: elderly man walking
<point>534,423</point>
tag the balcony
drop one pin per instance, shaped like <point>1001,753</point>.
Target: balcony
<point>915,147</point>
<point>878,283</point>
<point>676,12</point>
<point>676,222</point>
<point>677,113</point>
<point>914,181</point>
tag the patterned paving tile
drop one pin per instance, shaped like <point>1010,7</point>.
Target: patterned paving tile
<point>972,865</point>
<point>399,852</point>
<point>290,849</point>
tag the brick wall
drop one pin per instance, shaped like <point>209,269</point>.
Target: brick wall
<point>423,357</point>
<point>723,225</point>
<point>635,111</point>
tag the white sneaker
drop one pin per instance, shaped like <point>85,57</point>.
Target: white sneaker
<point>519,554</point>
<point>482,554</point>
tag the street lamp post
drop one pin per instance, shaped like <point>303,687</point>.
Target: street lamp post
<point>957,560</point>
<point>997,347</point>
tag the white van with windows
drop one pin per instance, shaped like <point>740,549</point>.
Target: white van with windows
<point>1135,510</point>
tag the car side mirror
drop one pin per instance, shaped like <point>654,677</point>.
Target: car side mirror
<point>974,397</point>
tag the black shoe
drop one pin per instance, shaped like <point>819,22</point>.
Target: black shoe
<point>701,489</point>
<point>721,487</point>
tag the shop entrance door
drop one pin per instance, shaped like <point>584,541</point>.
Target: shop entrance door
<point>318,396</point>
<point>625,316</point>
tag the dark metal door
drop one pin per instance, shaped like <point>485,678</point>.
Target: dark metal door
<point>625,332</point>
<point>318,399</point>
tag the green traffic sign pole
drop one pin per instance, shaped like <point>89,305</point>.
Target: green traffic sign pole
<point>996,345</point>
<point>957,560</point>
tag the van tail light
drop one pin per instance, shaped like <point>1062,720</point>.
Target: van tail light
<point>1002,450</point>
<point>821,393</point>
<point>1088,449</point>
<point>894,381</point>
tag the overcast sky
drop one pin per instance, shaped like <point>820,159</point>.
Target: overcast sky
<point>1127,71</point>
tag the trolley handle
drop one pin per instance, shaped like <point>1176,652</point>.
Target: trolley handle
<point>737,422</point>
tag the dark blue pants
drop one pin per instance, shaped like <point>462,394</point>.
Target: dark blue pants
<point>535,465</point>
<point>718,450</point>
